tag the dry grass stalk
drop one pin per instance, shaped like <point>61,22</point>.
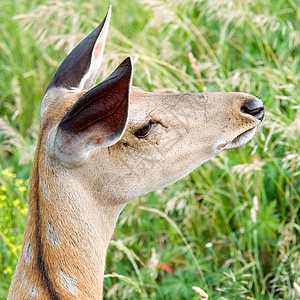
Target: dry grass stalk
<point>254,209</point>
<point>296,287</point>
<point>200,292</point>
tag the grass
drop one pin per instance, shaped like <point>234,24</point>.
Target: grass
<point>232,226</point>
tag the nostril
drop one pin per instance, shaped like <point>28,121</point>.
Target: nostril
<point>258,113</point>
<point>254,108</point>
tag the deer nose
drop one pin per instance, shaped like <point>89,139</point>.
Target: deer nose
<point>254,108</point>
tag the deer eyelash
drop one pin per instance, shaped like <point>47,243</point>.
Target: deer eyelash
<point>146,129</point>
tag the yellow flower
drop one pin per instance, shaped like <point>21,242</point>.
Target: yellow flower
<point>8,270</point>
<point>16,202</point>
<point>22,189</point>
<point>7,173</point>
<point>18,182</point>
<point>24,211</point>
<point>3,197</point>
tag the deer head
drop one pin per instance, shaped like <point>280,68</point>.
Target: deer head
<point>142,141</point>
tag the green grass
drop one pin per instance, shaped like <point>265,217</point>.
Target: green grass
<point>232,226</point>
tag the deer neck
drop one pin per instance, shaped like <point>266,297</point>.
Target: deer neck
<point>66,238</point>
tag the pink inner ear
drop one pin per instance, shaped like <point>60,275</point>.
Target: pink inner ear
<point>100,44</point>
<point>99,140</point>
<point>98,50</point>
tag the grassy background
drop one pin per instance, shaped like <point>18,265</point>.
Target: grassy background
<point>230,227</point>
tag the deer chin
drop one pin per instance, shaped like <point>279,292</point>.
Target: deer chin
<point>240,140</point>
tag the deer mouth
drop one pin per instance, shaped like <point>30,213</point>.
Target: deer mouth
<point>247,135</point>
<point>241,139</point>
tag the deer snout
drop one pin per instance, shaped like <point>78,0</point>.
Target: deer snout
<point>254,108</point>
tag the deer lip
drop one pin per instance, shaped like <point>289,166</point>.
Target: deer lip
<point>242,138</point>
<point>243,135</point>
<point>239,140</point>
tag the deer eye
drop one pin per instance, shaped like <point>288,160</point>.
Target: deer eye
<point>146,129</point>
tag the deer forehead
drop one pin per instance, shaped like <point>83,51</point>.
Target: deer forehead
<point>183,110</point>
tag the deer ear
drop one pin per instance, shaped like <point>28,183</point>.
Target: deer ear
<point>97,119</point>
<point>80,68</point>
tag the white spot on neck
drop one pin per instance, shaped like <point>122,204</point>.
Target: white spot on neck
<point>67,282</point>
<point>27,252</point>
<point>34,291</point>
<point>24,279</point>
<point>46,190</point>
<point>52,235</point>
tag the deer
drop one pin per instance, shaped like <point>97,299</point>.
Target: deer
<point>99,147</point>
